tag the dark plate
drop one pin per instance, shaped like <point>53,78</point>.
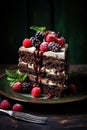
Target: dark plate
<point>78,79</point>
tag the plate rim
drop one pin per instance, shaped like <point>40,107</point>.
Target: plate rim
<point>43,101</point>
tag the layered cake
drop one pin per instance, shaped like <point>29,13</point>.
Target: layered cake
<point>44,58</point>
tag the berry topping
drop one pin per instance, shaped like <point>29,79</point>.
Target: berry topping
<point>17,107</point>
<point>61,41</point>
<point>73,88</point>
<point>49,96</point>
<point>26,87</point>
<point>50,38</point>
<point>35,42</point>
<point>27,43</point>
<point>39,36</point>
<point>44,46</point>
<point>37,39</point>
<point>17,86</point>
<point>58,35</point>
<point>36,91</point>
<point>5,104</point>
<point>55,47</point>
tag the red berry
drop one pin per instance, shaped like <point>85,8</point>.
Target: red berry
<point>5,104</point>
<point>50,38</point>
<point>72,88</point>
<point>44,46</point>
<point>36,91</point>
<point>27,43</point>
<point>17,107</point>
<point>17,86</point>
<point>60,41</point>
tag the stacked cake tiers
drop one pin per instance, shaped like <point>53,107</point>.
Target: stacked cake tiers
<point>44,58</point>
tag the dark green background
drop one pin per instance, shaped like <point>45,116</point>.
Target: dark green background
<point>65,16</point>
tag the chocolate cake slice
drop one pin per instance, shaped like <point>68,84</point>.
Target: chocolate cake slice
<point>46,63</point>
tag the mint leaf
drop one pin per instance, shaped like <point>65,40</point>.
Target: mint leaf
<point>14,76</point>
<point>36,28</point>
<point>10,73</point>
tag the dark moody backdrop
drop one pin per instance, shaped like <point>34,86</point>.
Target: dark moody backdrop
<point>65,16</point>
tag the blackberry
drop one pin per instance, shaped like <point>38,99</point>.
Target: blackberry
<point>32,39</point>
<point>55,47</point>
<point>39,36</point>
<point>35,42</point>
<point>26,87</point>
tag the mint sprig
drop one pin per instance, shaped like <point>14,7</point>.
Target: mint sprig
<point>36,28</point>
<point>14,76</point>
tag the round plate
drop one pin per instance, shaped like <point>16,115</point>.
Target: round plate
<point>76,78</point>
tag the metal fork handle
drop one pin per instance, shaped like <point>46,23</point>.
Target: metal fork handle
<point>7,112</point>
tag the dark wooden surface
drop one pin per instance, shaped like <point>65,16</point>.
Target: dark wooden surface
<point>68,116</point>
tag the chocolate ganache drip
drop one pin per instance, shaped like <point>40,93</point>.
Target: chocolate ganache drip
<point>38,62</point>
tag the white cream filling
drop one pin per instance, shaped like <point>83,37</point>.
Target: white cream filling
<point>48,71</point>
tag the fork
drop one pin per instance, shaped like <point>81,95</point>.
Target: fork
<point>25,116</point>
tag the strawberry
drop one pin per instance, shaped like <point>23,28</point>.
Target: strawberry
<point>27,43</point>
<point>44,46</point>
<point>17,107</point>
<point>17,86</point>
<point>36,91</point>
<point>5,104</point>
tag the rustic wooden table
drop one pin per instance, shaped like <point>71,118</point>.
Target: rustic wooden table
<point>68,116</point>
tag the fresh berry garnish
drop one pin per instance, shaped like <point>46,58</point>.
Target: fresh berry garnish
<point>35,85</point>
<point>72,89</point>
<point>26,87</point>
<point>5,104</point>
<point>49,96</point>
<point>50,38</point>
<point>35,42</point>
<point>17,107</point>
<point>39,36</point>
<point>17,86</point>
<point>44,46</point>
<point>27,43</point>
<point>36,91</point>
<point>55,47</point>
<point>46,33</point>
<point>58,35</point>
<point>61,41</point>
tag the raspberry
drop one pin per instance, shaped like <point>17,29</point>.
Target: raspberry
<point>5,104</point>
<point>17,107</point>
<point>72,88</point>
<point>17,86</point>
<point>50,38</point>
<point>36,91</point>
<point>61,41</point>
<point>44,46</point>
<point>27,43</point>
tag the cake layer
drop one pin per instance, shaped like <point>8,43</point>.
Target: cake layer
<point>51,67</point>
<point>50,60</point>
<point>50,74</point>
